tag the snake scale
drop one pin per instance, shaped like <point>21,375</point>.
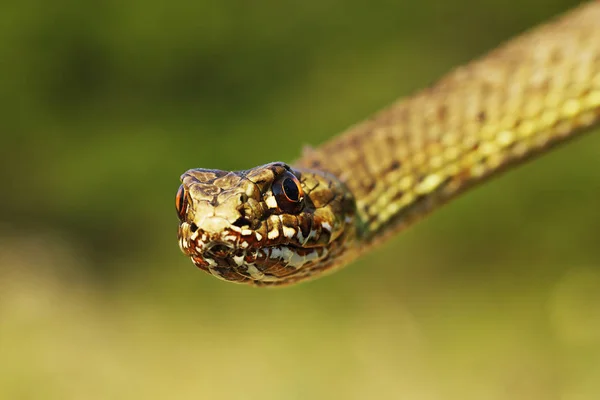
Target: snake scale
<point>279,224</point>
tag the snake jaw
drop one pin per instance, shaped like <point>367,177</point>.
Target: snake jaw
<point>235,228</point>
<point>230,256</point>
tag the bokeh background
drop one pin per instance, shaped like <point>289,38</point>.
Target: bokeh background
<point>105,104</point>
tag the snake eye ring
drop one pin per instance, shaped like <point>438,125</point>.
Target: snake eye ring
<point>288,193</point>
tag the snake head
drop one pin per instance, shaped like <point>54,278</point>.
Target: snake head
<point>268,225</point>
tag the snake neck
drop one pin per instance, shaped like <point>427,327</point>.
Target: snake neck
<point>534,92</point>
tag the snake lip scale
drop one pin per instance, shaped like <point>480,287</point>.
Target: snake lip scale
<point>279,224</point>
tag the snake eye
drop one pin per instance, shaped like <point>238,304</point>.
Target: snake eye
<point>288,192</point>
<point>181,202</point>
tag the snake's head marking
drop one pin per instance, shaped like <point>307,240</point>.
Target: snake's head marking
<point>269,225</point>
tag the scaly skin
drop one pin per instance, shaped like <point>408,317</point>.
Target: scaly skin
<point>234,226</point>
<point>520,100</point>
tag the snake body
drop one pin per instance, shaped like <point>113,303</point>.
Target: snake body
<point>278,224</point>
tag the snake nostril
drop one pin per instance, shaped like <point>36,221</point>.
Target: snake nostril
<point>220,250</point>
<point>241,222</point>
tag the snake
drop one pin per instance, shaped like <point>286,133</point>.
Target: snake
<point>280,224</point>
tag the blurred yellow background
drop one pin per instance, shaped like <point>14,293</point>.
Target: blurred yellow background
<point>496,296</point>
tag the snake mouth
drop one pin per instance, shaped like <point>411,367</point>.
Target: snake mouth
<point>260,265</point>
<point>246,256</point>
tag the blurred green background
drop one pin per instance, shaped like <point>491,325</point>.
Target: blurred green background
<point>496,296</point>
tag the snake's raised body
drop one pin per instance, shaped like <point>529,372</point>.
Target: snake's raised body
<point>277,224</point>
